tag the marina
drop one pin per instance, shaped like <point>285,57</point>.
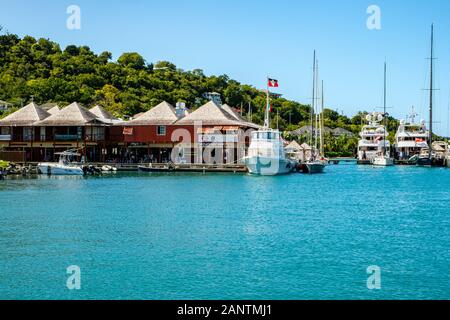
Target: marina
<point>198,236</point>
<point>196,154</point>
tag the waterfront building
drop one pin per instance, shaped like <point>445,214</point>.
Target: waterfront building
<point>33,134</point>
<point>217,131</point>
<point>148,136</point>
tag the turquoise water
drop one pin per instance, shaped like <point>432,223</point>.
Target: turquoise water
<point>189,236</point>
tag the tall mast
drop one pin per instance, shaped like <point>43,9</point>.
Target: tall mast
<point>384,108</point>
<point>321,125</point>
<point>316,110</point>
<point>313,104</point>
<point>431,87</point>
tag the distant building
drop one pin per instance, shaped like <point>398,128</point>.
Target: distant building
<point>5,105</point>
<point>272,94</point>
<point>335,132</point>
<point>214,97</point>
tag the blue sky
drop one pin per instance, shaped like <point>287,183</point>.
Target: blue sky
<point>249,40</point>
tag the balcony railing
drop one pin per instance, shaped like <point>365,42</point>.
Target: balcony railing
<point>67,137</point>
<point>5,137</point>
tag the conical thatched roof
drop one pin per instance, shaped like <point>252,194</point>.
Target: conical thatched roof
<point>101,113</point>
<point>72,115</point>
<point>211,114</point>
<point>163,114</point>
<point>25,116</point>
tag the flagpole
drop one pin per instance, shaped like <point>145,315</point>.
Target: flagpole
<point>267,120</point>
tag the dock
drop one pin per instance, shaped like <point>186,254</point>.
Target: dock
<point>159,167</point>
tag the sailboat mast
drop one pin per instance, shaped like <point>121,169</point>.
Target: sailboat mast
<point>431,87</point>
<point>313,98</point>
<point>321,125</point>
<point>316,110</point>
<point>384,106</point>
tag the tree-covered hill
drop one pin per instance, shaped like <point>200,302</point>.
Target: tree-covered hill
<point>40,69</point>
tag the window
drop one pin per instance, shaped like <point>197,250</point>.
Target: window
<point>161,130</point>
<point>5,131</point>
<point>27,133</point>
<point>42,134</point>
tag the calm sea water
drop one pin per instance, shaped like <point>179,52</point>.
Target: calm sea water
<point>226,236</point>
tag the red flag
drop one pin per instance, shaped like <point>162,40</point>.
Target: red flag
<point>273,83</point>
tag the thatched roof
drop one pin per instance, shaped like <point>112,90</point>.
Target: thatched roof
<point>25,116</point>
<point>101,113</point>
<point>162,114</point>
<point>72,115</point>
<point>211,114</point>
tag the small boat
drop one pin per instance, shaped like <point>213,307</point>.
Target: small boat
<point>315,166</point>
<point>150,168</point>
<point>64,166</point>
<point>383,161</point>
<point>107,168</point>
<point>424,159</point>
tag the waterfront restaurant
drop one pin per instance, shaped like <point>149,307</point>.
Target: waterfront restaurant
<point>75,127</point>
<point>210,134</point>
<point>218,135</point>
<point>18,133</point>
<point>147,137</point>
<point>32,134</point>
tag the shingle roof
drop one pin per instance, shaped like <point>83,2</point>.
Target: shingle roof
<point>72,115</point>
<point>101,113</point>
<point>53,110</point>
<point>294,146</point>
<point>25,116</point>
<point>211,114</point>
<point>162,114</point>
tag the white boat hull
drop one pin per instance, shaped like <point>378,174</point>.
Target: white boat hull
<point>383,161</point>
<point>265,166</point>
<point>58,169</point>
<point>315,167</point>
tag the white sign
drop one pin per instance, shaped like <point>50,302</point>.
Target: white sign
<point>217,138</point>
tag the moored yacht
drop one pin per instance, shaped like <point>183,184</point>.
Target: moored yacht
<point>410,139</point>
<point>65,165</point>
<point>373,139</point>
<point>266,154</point>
